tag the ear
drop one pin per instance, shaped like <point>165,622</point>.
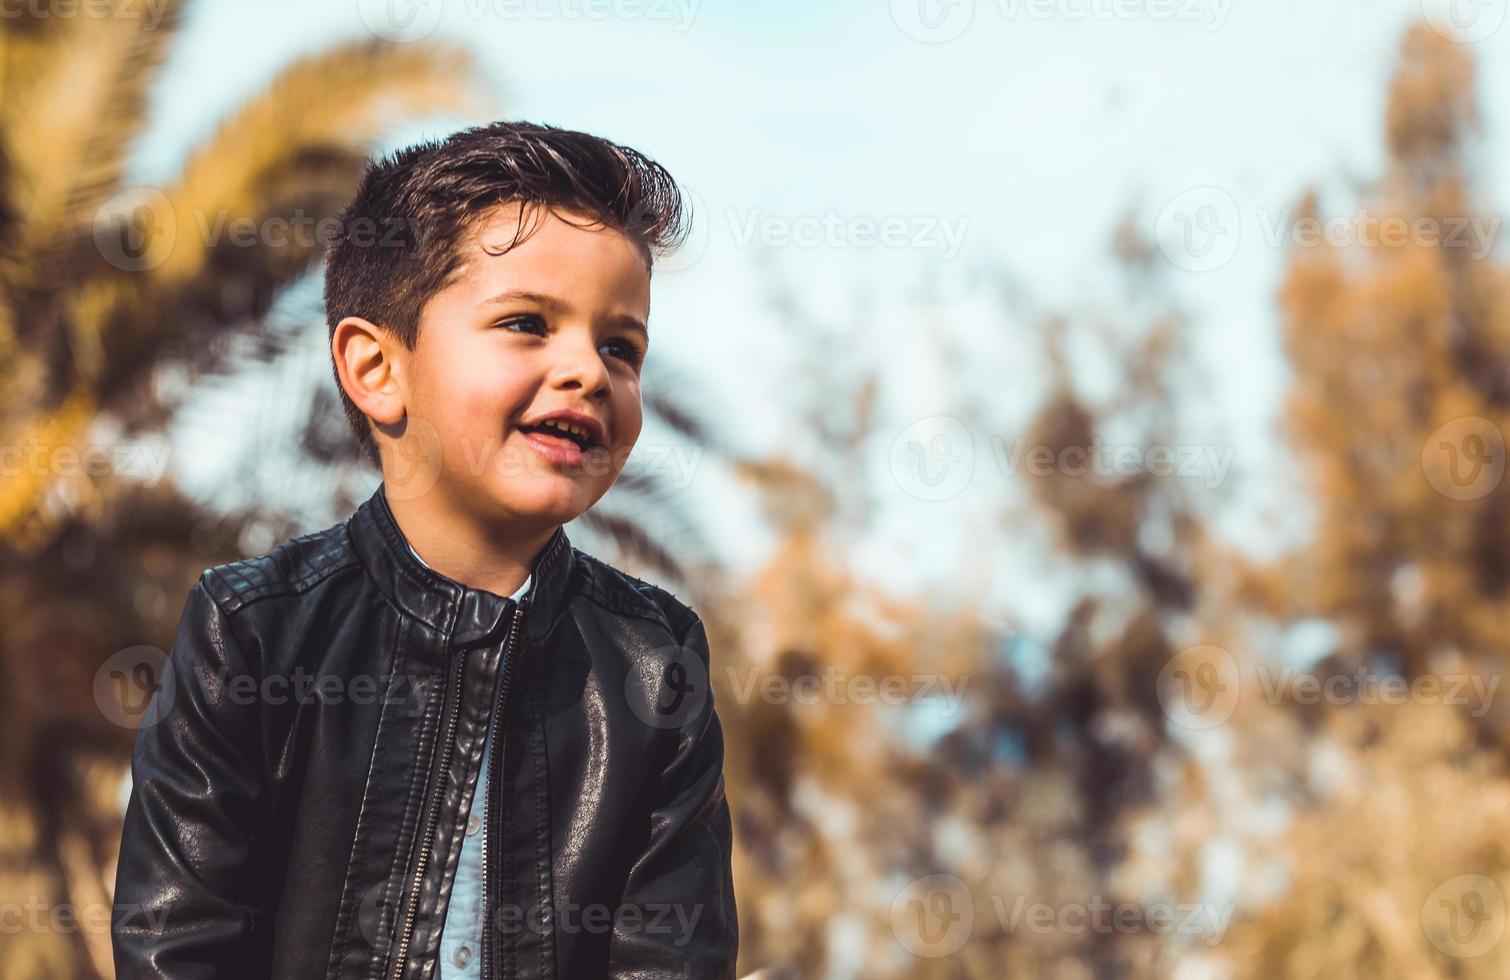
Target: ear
<point>366,358</point>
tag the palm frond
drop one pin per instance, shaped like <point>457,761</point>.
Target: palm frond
<point>331,105</point>
<point>670,395</point>
<point>295,153</point>
<point>72,117</point>
<point>42,436</point>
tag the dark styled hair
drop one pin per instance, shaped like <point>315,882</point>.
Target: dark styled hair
<point>397,243</point>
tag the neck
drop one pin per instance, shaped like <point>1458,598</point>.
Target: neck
<point>483,555</point>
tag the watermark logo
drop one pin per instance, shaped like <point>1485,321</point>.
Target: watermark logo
<point>1199,687</point>
<point>932,21</point>
<point>1464,916</point>
<point>933,458</point>
<point>135,230</point>
<point>1467,21</point>
<point>1464,459</point>
<point>134,688</point>
<point>668,688</point>
<point>375,916</point>
<point>400,21</point>
<point>933,916</point>
<point>1200,229</point>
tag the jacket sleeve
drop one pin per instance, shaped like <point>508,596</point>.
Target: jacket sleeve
<point>182,906</point>
<point>681,888</point>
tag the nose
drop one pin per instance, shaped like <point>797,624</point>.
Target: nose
<point>579,366</point>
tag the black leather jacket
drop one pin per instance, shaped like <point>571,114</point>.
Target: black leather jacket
<point>300,777</point>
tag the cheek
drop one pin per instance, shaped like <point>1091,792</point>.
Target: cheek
<point>474,403</point>
<point>631,417</point>
<point>485,390</point>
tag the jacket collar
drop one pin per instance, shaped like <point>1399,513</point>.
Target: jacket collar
<point>466,616</point>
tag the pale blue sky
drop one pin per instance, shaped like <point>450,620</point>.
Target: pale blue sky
<point>1032,133</point>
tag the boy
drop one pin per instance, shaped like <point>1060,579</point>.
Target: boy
<point>436,740</point>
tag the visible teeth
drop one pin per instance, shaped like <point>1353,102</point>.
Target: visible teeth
<point>568,427</point>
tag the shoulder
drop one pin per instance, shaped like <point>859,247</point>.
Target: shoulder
<point>292,568</point>
<point>619,592</point>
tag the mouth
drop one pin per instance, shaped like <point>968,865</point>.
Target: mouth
<point>553,436</point>
<point>565,438</point>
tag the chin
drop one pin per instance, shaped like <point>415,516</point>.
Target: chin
<point>550,504</point>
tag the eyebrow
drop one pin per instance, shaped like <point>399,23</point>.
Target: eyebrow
<point>560,306</point>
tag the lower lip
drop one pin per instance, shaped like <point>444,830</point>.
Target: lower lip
<point>557,451</point>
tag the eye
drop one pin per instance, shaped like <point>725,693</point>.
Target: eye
<point>625,350</point>
<point>523,324</point>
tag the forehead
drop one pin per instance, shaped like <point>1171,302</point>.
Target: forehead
<point>558,251</point>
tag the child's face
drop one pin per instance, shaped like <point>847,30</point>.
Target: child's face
<point>488,362</point>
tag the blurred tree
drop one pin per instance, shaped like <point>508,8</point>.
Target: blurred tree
<point>1401,352</point>
<point>1356,838</point>
<point>845,808</point>
<point>107,293</point>
<point>1373,833</point>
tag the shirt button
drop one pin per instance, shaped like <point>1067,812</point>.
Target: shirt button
<point>462,956</point>
<point>474,824</point>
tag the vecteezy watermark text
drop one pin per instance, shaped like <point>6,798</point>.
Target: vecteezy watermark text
<point>1114,460</point>
<point>1473,691</point>
<point>934,916</point>
<point>145,463</point>
<point>1201,686</point>
<point>930,232</point>
<point>834,686</point>
<point>1102,917</point>
<point>939,21</point>
<point>38,915</point>
<point>149,12</point>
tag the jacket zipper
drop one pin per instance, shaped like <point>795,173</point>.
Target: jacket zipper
<point>427,836</point>
<point>495,773</point>
<point>453,713</point>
